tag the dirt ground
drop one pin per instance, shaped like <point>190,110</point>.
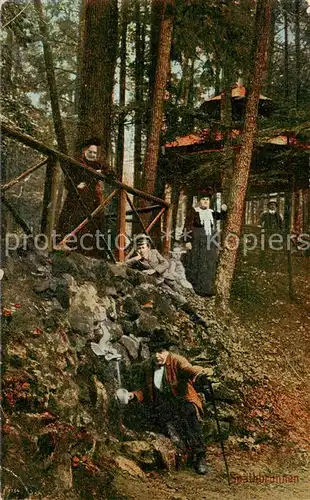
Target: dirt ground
<point>251,479</point>
<point>279,470</point>
<point>281,335</point>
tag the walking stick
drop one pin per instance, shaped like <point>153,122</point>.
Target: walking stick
<point>219,430</point>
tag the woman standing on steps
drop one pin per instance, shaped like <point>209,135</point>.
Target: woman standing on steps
<point>200,239</point>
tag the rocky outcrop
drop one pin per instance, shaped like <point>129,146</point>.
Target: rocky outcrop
<point>62,426</point>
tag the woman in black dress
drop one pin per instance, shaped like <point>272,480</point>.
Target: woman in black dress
<point>88,189</point>
<point>201,242</point>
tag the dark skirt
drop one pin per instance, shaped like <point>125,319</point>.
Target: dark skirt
<point>200,265</point>
<point>73,213</point>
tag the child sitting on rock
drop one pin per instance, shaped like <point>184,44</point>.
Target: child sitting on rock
<point>176,268</point>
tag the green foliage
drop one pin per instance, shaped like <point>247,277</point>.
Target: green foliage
<point>214,36</point>
<point>287,106</point>
<point>211,49</point>
<point>25,97</point>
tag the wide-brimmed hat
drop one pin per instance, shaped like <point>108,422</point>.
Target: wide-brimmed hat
<point>177,248</point>
<point>141,239</point>
<point>90,141</point>
<point>272,202</point>
<point>206,192</point>
<point>160,340</point>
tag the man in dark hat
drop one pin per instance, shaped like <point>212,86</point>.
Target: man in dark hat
<point>271,224</point>
<point>89,190</point>
<point>271,221</point>
<point>173,402</point>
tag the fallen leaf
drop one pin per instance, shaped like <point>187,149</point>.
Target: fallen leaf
<point>148,305</point>
<point>37,331</point>
<point>7,312</point>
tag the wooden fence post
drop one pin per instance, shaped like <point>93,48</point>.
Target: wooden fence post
<point>51,213</point>
<point>49,201</point>
<point>167,221</point>
<point>47,193</point>
<point>121,226</point>
<point>167,230</point>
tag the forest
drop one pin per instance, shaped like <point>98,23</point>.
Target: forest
<point>140,75</point>
<point>180,101</point>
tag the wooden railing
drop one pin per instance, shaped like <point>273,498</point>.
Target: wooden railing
<point>120,189</point>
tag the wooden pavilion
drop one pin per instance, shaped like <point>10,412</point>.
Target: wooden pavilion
<point>280,164</point>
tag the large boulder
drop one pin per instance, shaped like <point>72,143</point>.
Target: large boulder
<point>143,453</point>
<point>156,452</point>
<point>132,346</point>
<point>166,451</point>
<point>146,324</point>
<point>86,308</point>
<point>131,307</point>
<point>129,466</point>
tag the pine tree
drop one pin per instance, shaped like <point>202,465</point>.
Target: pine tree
<point>162,68</point>
<point>240,176</point>
<point>97,76</point>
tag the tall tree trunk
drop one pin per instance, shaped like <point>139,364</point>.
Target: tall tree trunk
<point>243,162</point>
<point>299,212</point>
<point>157,9</point>
<point>297,51</point>
<point>190,88</point>
<point>140,31</point>
<point>217,77</point>
<point>286,85</point>
<point>271,52</point>
<point>226,122</point>
<point>122,93</point>
<point>51,79</point>
<point>162,68</point>
<point>175,198</point>
<point>53,182</point>
<point>187,90</point>
<point>6,76</point>
<point>79,64</point>
<point>139,74</point>
<point>8,92</point>
<point>97,76</point>
<point>300,192</point>
<point>181,95</point>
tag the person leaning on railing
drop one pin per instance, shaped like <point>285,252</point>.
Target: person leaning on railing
<point>89,190</point>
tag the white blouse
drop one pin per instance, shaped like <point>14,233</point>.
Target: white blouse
<point>206,219</point>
